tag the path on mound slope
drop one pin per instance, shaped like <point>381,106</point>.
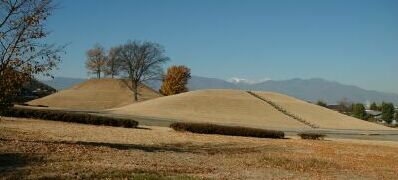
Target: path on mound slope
<point>96,94</point>
<point>317,115</point>
<point>228,107</point>
<point>282,110</point>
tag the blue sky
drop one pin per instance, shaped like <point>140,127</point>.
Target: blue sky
<point>349,41</point>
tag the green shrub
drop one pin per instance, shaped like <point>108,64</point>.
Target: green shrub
<point>83,118</point>
<point>312,136</point>
<point>204,128</point>
<point>387,112</point>
<point>359,111</point>
<point>322,103</point>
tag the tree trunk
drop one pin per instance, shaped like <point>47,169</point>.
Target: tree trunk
<point>134,85</point>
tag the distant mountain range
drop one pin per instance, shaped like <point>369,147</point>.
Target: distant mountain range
<point>61,83</point>
<point>306,89</point>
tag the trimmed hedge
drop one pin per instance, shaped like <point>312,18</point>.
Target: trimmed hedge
<point>312,136</point>
<point>56,115</point>
<point>205,128</point>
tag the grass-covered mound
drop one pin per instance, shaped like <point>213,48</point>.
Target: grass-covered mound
<point>205,128</point>
<point>96,94</point>
<point>56,115</point>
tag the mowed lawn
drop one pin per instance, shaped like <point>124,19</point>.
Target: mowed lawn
<point>46,149</point>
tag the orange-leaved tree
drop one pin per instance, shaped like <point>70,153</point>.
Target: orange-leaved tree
<point>176,80</point>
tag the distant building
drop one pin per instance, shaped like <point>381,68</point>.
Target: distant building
<point>373,113</point>
<point>394,122</point>
<point>376,115</point>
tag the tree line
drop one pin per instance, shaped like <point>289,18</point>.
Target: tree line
<point>387,111</point>
<point>358,110</point>
<point>138,62</point>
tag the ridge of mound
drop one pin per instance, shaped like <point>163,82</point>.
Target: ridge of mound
<point>96,94</point>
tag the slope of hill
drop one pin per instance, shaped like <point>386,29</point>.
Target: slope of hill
<point>236,107</point>
<point>320,116</point>
<point>95,94</point>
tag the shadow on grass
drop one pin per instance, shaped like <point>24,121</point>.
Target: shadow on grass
<point>136,174</point>
<point>10,162</point>
<point>143,128</point>
<point>180,147</point>
<point>206,148</point>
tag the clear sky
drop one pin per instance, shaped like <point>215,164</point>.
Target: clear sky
<point>350,41</point>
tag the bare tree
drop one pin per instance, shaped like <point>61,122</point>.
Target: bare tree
<point>96,60</point>
<point>22,52</point>
<point>112,64</point>
<point>345,106</point>
<point>141,61</point>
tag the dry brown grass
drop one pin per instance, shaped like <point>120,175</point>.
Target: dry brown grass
<point>320,116</point>
<point>96,94</point>
<point>226,107</point>
<point>41,149</point>
<point>239,108</point>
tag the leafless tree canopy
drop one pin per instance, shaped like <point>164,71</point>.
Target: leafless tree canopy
<point>96,60</point>
<point>141,61</point>
<point>112,65</point>
<point>22,50</point>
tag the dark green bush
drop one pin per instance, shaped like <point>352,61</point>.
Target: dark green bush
<point>55,115</point>
<point>205,128</point>
<point>312,136</point>
<point>128,124</point>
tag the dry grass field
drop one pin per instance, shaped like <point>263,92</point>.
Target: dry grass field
<point>96,94</point>
<point>43,149</point>
<point>229,107</point>
<point>236,107</point>
<point>323,117</point>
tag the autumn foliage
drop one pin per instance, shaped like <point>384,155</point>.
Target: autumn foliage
<point>176,80</point>
<point>24,53</point>
<point>11,82</point>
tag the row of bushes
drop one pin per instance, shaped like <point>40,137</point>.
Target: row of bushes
<point>55,115</point>
<point>205,128</point>
<point>312,135</point>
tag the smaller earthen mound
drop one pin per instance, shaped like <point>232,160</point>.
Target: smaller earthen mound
<point>96,94</point>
